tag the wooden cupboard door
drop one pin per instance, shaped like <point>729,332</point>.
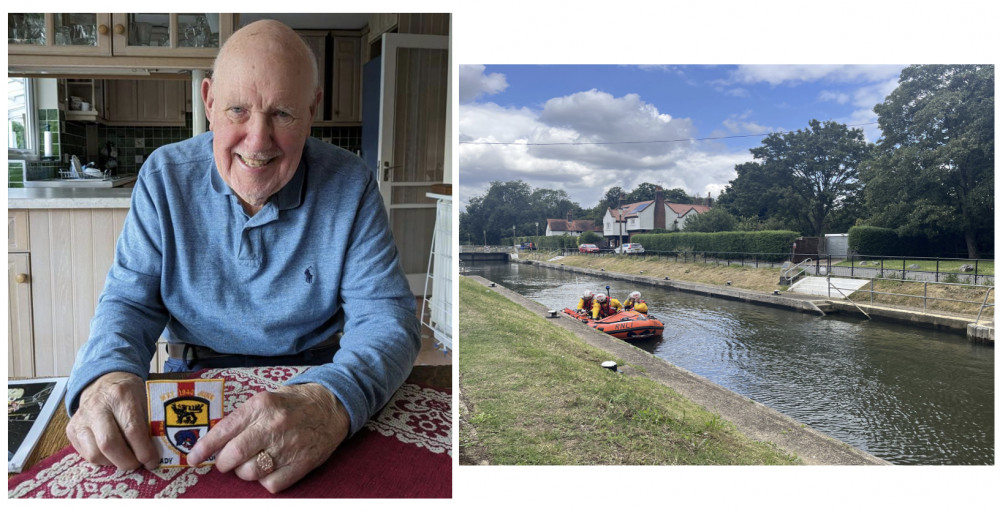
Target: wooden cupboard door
<point>346,94</point>
<point>317,43</point>
<point>120,100</point>
<point>20,342</point>
<point>161,101</point>
<point>17,231</point>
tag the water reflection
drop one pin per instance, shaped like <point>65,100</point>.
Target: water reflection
<point>907,395</point>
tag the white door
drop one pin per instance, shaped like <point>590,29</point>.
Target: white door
<point>412,143</point>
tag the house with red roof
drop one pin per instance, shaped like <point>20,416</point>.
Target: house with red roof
<point>568,226</point>
<point>646,216</point>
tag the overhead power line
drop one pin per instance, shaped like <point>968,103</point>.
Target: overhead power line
<point>633,141</point>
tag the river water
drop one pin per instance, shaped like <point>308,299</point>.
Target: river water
<point>904,394</point>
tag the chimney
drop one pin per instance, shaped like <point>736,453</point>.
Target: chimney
<point>659,210</point>
<point>709,204</point>
<point>569,216</point>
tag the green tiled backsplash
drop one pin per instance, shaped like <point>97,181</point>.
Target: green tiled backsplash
<point>69,137</point>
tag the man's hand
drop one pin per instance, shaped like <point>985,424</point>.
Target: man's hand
<point>111,425</point>
<point>298,426</point>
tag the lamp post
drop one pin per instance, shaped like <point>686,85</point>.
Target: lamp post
<point>484,238</point>
<point>514,240</point>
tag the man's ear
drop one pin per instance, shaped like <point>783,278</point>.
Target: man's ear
<point>207,98</point>
<point>318,100</point>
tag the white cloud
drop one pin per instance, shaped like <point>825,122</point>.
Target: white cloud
<point>586,171</point>
<point>834,96</point>
<point>740,124</point>
<point>792,74</point>
<point>473,82</point>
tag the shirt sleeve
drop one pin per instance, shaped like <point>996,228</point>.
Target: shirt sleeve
<point>381,332</point>
<point>130,314</point>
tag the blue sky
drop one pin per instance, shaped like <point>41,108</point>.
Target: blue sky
<point>730,105</point>
<point>632,70</point>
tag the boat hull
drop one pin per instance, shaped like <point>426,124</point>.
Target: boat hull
<point>627,325</point>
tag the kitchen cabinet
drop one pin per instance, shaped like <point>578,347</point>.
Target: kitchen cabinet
<point>170,34</point>
<point>20,341</point>
<point>338,60</point>
<point>144,102</point>
<point>118,34</point>
<point>54,284</point>
<point>316,40</point>
<point>345,93</point>
<point>59,34</point>
<point>78,99</point>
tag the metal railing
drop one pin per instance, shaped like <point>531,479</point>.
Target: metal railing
<point>925,297</point>
<point>798,269</point>
<point>829,284</point>
<point>985,305</point>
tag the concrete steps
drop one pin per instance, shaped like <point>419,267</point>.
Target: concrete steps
<point>818,286</point>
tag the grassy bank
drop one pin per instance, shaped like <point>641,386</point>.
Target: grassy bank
<point>538,395</point>
<point>765,279</point>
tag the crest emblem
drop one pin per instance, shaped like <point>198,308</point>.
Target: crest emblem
<point>180,413</point>
<point>186,420</point>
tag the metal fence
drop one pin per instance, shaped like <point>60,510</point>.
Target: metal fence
<point>925,297</point>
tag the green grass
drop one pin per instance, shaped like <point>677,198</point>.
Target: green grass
<point>537,395</point>
<point>985,266</point>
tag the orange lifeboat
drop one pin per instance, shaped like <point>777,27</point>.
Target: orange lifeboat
<point>626,325</point>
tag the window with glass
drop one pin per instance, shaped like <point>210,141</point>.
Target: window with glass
<point>26,28</point>
<point>20,119</point>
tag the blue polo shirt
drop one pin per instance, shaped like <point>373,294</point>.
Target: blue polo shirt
<point>318,259</point>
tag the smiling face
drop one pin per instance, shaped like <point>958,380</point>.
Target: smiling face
<point>260,104</point>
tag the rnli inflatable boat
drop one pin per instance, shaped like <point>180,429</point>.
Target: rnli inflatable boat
<point>626,325</point>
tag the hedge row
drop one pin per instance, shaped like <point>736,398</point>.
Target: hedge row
<point>874,241</point>
<point>778,243</point>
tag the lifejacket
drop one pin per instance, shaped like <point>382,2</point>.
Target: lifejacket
<point>586,304</point>
<point>629,304</point>
<point>605,309</point>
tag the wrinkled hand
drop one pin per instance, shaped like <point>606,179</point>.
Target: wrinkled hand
<point>298,426</point>
<point>111,425</point>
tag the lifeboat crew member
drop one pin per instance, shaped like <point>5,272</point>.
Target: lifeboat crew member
<point>586,302</point>
<point>604,306</point>
<point>634,301</point>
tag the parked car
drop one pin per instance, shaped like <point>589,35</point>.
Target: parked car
<point>632,249</point>
<point>589,248</point>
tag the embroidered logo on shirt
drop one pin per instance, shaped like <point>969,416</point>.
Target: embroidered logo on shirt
<point>309,275</point>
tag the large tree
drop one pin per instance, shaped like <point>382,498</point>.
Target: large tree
<point>932,172</point>
<point>510,207</point>
<point>807,178</point>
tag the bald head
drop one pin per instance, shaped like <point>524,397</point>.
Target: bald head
<point>268,41</point>
<point>260,102</point>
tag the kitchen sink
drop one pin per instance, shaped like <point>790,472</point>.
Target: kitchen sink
<point>116,181</point>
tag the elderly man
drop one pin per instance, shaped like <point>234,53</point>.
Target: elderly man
<point>252,244</point>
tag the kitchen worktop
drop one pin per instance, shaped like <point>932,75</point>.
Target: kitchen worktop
<point>69,197</point>
<point>118,181</point>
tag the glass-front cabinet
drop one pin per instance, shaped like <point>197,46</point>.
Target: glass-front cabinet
<point>59,33</point>
<point>147,34</point>
<point>181,35</point>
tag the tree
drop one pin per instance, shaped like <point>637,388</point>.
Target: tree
<point>932,172</point>
<point>510,207</point>
<point>712,221</point>
<point>806,177</point>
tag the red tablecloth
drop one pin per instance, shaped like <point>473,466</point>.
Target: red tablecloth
<point>403,452</point>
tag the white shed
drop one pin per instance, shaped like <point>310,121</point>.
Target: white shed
<point>836,245</point>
